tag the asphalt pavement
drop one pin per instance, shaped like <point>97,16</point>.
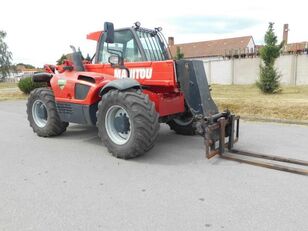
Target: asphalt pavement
<point>71,182</point>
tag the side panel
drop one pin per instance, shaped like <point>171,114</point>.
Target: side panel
<point>167,103</point>
<point>160,73</point>
<point>64,87</point>
<point>77,113</point>
<point>77,91</point>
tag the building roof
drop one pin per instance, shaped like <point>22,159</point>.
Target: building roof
<point>219,47</point>
<point>290,47</point>
<point>295,47</point>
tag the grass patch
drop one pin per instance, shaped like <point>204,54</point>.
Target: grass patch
<point>10,91</point>
<point>7,85</point>
<point>248,101</point>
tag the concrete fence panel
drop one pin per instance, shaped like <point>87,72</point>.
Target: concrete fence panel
<point>221,72</point>
<point>293,70</point>
<point>302,70</point>
<point>246,71</point>
<point>284,65</point>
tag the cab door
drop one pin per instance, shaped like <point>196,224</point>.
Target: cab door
<point>141,57</point>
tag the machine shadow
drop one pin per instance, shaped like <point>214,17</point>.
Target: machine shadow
<point>174,149</point>
<point>76,131</point>
<point>169,149</point>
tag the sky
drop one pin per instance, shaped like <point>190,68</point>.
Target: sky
<point>40,31</point>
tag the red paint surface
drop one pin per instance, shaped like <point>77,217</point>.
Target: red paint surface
<point>162,87</point>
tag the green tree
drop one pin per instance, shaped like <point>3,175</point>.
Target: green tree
<point>179,54</point>
<point>61,60</point>
<point>5,57</point>
<point>269,77</point>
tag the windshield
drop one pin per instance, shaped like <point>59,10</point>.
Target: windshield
<point>152,45</point>
<point>150,48</point>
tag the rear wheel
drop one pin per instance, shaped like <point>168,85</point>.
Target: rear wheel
<point>43,115</point>
<point>183,124</point>
<point>127,123</point>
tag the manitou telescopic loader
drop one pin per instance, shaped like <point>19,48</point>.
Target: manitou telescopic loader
<point>130,86</point>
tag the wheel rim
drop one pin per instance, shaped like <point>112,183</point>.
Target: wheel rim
<point>118,125</point>
<point>39,113</point>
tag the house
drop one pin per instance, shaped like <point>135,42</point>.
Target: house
<point>296,48</point>
<point>25,70</point>
<point>215,49</point>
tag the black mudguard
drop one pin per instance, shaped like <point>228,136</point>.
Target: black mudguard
<point>120,84</point>
<point>42,77</point>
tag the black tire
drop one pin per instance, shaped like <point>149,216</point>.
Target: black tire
<point>183,125</point>
<point>53,126</point>
<point>143,122</point>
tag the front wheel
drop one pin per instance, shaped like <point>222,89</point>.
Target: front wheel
<point>127,123</point>
<point>43,115</point>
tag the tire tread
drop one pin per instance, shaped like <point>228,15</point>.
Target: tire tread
<point>144,116</point>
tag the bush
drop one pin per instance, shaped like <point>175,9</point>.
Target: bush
<point>26,85</point>
<point>269,80</point>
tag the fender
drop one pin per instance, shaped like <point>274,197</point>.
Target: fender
<point>42,77</point>
<point>120,84</point>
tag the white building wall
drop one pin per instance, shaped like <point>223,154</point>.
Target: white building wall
<point>251,46</point>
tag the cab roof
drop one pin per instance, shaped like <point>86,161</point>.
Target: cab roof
<point>95,35</point>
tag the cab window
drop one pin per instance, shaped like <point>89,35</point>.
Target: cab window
<point>124,44</point>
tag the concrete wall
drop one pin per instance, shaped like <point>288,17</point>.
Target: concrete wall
<point>284,65</point>
<point>302,70</point>
<point>292,68</point>
<point>246,70</point>
<point>221,71</point>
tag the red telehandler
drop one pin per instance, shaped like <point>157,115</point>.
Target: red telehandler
<point>127,89</point>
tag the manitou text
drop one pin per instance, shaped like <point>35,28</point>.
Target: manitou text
<point>134,73</point>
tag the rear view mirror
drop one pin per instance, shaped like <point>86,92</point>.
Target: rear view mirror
<point>109,31</point>
<point>114,60</point>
